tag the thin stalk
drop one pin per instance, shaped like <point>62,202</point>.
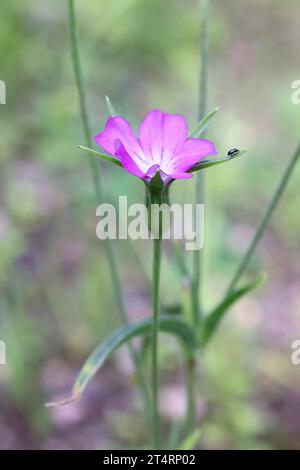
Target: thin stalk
<point>265,219</point>
<point>99,195</point>
<point>180,260</point>
<point>199,199</point>
<point>191,399</point>
<point>155,303</point>
<point>199,188</point>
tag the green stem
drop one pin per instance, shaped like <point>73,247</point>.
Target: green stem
<point>155,302</point>
<point>81,96</point>
<point>199,199</point>
<point>265,219</point>
<point>199,189</point>
<point>191,399</point>
<point>204,12</point>
<point>99,195</point>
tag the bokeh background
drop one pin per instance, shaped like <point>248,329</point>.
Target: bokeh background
<point>57,301</point>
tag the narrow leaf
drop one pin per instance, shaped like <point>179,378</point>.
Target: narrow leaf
<point>167,323</point>
<point>216,161</point>
<point>263,223</point>
<point>202,125</point>
<point>174,309</point>
<point>177,430</point>
<point>191,441</point>
<point>146,344</point>
<point>180,259</point>
<point>103,155</point>
<point>187,304</point>
<point>213,319</point>
<point>111,109</point>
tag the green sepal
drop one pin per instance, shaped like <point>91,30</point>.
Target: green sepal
<point>103,155</point>
<point>212,161</point>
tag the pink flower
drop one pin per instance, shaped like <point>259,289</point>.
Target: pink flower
<point>163,145</point>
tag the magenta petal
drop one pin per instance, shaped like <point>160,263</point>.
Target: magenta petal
<point>151,172</point>
<point>197,147</point>
<point>177,175</point>
<point>163,146</point>
<point>175,132</point>
<point>191,153</point>
<point>162,135</point>
<point>117,128</point>
<point>166,178</point>
<point>128,163</point>
<point>150,133</point>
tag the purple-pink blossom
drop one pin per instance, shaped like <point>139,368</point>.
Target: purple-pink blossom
<point>163,145</point>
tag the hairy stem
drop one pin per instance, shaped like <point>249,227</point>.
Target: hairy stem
<point>265,219</point>
<point>99,195</point>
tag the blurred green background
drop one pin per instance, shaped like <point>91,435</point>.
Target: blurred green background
<point>57,301</point>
